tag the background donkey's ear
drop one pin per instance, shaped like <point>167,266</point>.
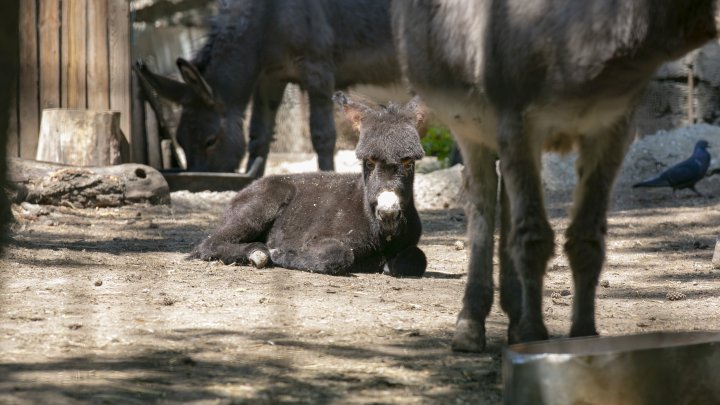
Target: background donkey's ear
<point>197,83</point>
<point>173,90</point>
<point>354,111</point>
<point>419,110</point>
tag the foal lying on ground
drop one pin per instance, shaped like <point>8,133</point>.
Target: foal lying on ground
<point>329,222</point>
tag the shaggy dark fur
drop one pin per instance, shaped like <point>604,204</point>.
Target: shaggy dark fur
<point>513,78</point>
<point>254,49</point>
<point>333,223</point>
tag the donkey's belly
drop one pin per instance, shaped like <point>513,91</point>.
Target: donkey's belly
<point>555,126</point>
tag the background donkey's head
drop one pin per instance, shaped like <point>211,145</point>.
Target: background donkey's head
<point>209,131</point>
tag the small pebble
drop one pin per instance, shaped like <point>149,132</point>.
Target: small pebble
<point>565,293</point>
<point>98,283</point>
<point>459,245</point>
<point>604,283</point>
<point>675,296</point>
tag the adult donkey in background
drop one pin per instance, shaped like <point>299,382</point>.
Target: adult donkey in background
<point>256,47</point>
<point>515,77</point>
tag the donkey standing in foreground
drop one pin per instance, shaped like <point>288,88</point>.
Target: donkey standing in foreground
<point>515,77</point>
<point>255,48</point>
<point>335,223</point>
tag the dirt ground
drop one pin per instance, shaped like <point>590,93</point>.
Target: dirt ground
<point>100,306</point>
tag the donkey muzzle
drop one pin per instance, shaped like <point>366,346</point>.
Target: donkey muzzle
<point>388,207</point>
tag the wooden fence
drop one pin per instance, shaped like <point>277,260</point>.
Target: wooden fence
<point>73,54</point>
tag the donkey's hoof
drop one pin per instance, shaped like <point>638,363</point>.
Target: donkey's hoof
<point>583,330</point>
<point>258,259</point>
<point>469,336</point>
<point>530,332</point>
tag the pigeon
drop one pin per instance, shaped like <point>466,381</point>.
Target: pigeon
<point>684,174</point>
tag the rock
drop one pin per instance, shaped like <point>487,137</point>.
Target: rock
<point>439,190</point>
<point>716,255</point>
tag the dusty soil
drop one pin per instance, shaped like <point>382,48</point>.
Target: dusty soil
<point>100,306</point>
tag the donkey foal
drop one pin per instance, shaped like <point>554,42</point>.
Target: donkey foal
<point>334,223</point>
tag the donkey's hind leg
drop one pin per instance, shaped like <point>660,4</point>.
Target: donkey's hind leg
<point>531,239</point>
<point>599,159</point>
<point>320,83</point>
<point>240,237</point>
<point>255,253</point>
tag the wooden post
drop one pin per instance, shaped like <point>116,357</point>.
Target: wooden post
<point>49,53</point>
<point>81,137</point>
<point>28,89</point>
<point>154,150</point>
<point>98,77</point>
<point>74,57</point>
<point>119,49</point>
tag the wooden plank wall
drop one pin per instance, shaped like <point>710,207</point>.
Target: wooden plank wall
<point>73,54</point>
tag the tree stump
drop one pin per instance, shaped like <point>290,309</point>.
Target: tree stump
<point>85,187</point>
<point>82,138</point>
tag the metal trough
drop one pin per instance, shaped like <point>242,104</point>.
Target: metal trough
<point>209,181</point>
<point>653,368</point>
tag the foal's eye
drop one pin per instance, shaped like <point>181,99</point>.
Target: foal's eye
<point>370,163</point>
<point>407,163</point>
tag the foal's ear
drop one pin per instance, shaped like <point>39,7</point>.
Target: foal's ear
<point>197,83</point>
<point>353,110</point>
<point>418,109</point>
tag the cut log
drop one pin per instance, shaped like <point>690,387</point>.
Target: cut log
<point>85,187</point>
<point>81,138</point>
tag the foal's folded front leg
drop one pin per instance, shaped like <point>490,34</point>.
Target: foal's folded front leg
<point>327,256</point>
<point>410,262</point>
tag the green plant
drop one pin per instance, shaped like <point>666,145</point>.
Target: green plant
<point>439,143</point>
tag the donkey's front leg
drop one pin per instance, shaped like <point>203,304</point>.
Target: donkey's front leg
<point>320,82</point>
<point>410,262</point>
<point>327,256</point>
<point>531,239</point>
<point>599,159</point>
<point>480,180</point>
<point>266,102</point>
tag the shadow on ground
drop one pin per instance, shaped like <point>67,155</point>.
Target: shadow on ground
<point>264,371</point>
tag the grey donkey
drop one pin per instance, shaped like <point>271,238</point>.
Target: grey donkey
<point>514,78</point>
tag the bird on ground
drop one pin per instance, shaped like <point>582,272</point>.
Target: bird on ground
<point>684,174</point>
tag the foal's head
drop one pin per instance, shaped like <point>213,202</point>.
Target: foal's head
<point>388,147</point>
